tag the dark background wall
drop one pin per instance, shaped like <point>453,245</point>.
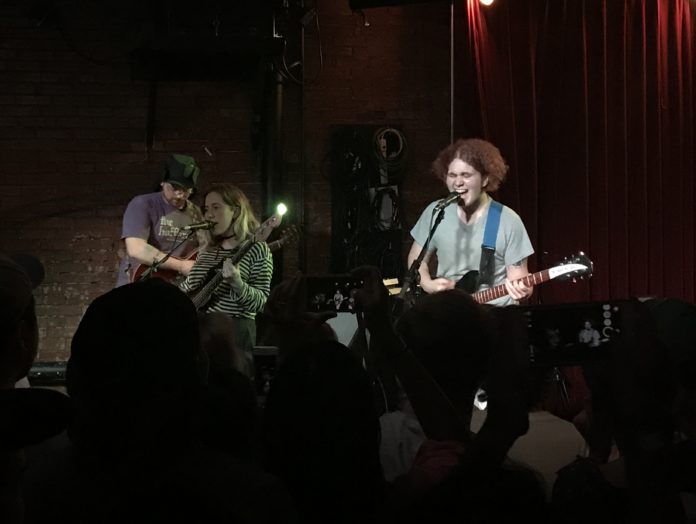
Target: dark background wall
<point>81,131</point>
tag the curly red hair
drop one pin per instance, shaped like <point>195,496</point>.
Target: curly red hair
<point>480,154</point>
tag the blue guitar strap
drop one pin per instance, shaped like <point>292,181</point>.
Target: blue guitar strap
<point>490,233</point>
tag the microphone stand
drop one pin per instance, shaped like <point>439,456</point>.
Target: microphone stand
<point>154,267</point>
<point>412,276</point>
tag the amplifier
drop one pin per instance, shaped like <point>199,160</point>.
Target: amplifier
<point>47,373</point>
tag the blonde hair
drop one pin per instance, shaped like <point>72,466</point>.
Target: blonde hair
<point>245,223</point>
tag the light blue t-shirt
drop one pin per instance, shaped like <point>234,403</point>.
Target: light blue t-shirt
<point>458,245</point>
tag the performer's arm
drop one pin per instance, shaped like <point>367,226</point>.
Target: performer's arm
<point>429,285</point>
<point>253,293</point>
<point>515,287</point>
<point>140,250</point>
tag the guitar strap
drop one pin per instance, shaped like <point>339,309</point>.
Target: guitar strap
<point>490,233</point>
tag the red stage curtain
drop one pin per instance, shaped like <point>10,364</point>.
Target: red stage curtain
<point>591,103</point>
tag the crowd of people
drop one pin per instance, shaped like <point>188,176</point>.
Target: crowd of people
<point>162,421</point>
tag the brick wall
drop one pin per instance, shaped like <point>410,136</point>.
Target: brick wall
<point>394,71</point>
<point>73,135</point>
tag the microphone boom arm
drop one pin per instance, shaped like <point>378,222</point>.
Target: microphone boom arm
<point>412,276</point>
<point>154,267</point>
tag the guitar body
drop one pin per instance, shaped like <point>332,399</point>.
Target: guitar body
<point>169,275</point>
<point>203,294</point>
<point>578,266</point>
<point>468,282</point>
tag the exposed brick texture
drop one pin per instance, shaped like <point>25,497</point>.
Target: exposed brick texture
<point>73,135</point>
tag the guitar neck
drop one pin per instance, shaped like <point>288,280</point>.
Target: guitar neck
<point>487,295</point>
<point>276,244</point>
<point>202,296</point>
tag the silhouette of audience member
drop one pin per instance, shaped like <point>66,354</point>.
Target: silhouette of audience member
<point>288,323</point>
<point>458,366</point>
<point>639,403</point>
<point>135,375</point>
<point>229,410</point>
<point>551,442</point>
<point>19,334</point>
<point>674,322</point>
<point>27,415</point>
<point>320,434</point>
<point>448,348</point>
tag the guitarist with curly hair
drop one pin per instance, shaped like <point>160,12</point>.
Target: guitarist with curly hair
<point>470,169</point>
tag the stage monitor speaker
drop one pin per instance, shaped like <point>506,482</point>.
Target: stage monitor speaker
<point>46,374</point>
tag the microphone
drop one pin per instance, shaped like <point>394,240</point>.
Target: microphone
<point>442,204</point>
<point>206,224</point>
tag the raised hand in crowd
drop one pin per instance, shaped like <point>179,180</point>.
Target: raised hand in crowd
<point>506,387</point>
<point>436,413</point>
<point>635,395</point>
<point>290,324</point>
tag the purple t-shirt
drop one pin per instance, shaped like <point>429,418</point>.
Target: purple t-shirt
<point>156,221</point>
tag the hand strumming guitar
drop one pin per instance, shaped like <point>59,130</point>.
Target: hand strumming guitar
<point>435,285</point>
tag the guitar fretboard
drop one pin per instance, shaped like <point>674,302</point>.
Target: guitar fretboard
<point>487,295</point>
<point>201,297</point>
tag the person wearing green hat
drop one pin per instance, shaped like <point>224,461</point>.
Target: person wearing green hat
<point>153,224</point>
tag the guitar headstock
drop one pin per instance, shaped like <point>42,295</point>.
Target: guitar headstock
<point>289,234</point>
<point>268,225</point>
<point>575,266</point>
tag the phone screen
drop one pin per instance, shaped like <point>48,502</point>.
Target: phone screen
<point>331,293</point>
<point>571,333</point>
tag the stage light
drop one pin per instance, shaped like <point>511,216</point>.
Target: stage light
<point>486,2</point>
<point>281,209</point>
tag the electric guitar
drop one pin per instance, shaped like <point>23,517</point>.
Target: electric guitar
<point>577,266</point>
<point>287,235</point>
<point>170,275</point>
<point>202,295</point>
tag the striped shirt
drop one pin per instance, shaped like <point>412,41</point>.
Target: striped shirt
<point>255,268</point>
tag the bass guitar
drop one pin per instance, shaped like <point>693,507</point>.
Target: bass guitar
<point>202,295</point>
<point>577,266</point>
<point>287,235</point>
